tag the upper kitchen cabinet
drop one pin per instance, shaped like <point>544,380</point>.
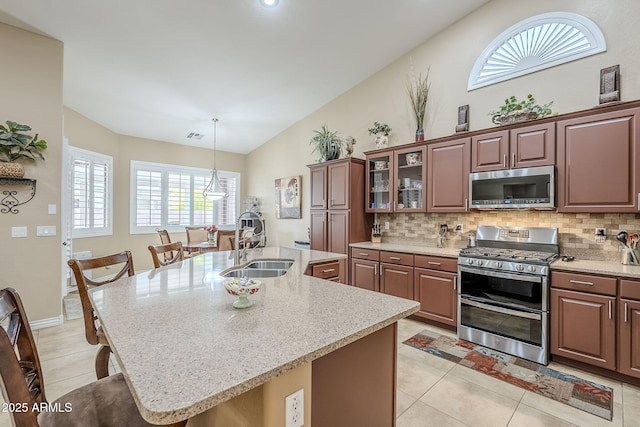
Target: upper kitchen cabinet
<point>522,147</point>
<point>396,180</point>
<point>448,175</point>
<point>331,185</point>
<point>598,160</point>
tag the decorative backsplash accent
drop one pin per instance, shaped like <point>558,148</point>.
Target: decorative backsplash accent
<point>576,232</point>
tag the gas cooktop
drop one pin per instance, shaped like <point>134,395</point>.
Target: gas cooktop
<point>505,254</point>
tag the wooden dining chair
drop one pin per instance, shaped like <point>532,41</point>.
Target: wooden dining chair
<point>164,240</point>
<point>171,252</point>
<point>93,332</point>
<point>196,235</point>
<point>106,402</point>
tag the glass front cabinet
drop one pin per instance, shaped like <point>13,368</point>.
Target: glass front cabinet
<point>395,180</point>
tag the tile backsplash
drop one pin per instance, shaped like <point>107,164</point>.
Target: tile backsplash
<point>576,232</point>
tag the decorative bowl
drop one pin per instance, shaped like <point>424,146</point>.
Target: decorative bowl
<point>242,288</point>
<point>414,159</point>
<point>380,165</point>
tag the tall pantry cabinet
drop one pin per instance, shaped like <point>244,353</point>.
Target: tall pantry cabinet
<point>338,215</point>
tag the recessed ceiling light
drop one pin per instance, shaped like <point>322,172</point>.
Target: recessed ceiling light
<point>269,3</point>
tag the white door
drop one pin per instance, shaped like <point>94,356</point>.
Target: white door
<point>66,218</point>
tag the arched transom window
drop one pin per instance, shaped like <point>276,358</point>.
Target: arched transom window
<point>540,42</point>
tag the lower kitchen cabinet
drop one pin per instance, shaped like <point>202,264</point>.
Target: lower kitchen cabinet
<point>629,328</point>
<point>396,280</point>
<point>436,291</point>
<point>583,327</point>
<point>364,274</point>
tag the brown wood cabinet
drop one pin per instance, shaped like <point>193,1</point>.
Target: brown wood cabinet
<point>436,288</point>
<point>521,147</point>
<point>598,162</point>
<point>629,328</point>
<point>330,270</point>
<point>364,274</point>
<point>337,216</point>
<point>396,180</point>
<point>396,274</point>
<point>448,176</point>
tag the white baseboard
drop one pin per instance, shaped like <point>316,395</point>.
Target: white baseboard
<point>47,323</point>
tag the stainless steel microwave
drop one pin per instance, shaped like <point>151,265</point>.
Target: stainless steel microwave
<point>527,188</point>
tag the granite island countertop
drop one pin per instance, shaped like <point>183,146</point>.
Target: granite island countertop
<point>183,348</point>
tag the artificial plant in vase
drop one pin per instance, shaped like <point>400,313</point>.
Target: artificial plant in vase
<point>381,131</point>
<point>14,145</point>
<point>418,89</point>
<point>327,143</point>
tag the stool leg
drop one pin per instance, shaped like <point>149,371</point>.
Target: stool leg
<point>102,361</point>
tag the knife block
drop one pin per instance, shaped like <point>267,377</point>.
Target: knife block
<point>376,238</point>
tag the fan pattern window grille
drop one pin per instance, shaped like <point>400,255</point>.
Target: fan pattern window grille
<point>534,44</point>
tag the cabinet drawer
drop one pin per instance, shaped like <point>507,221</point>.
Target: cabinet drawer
<point>630,289</point>
<point>437,263</point>
<point>584,283</point>
<point>373,255</point>
<point>397,258</point>
<point>328,270</point>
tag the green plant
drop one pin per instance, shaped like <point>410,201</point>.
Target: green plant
<point>512,105</point>
<point>14,144</point>
<point>380,129</point>
<point>326,143</point>
<point>419,94</point>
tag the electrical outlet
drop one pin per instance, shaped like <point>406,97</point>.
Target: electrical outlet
<point>601,235</point>
<point>386,225</point>
<point>459,228</point>
<point>294,409</point>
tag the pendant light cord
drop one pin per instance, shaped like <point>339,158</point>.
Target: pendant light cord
<point>215,127</point>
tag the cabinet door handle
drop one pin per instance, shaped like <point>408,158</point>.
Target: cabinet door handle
<point>580,282</point>
<point>513,159</point>
<point>609,309</point>
<point>434,263</point>
<point>466,204</point>
<point>381,269</point>
<point>328,270</point>
<point>395,258</point>
<point>394,205</point>
<point>455,283</point>
<point>363,254</point>
<point>375,270</point>
<point>504,161</point>
<point>639,201</point>
<point>625,313</point>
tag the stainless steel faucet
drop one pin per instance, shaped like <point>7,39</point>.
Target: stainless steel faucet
<point>260,237</point>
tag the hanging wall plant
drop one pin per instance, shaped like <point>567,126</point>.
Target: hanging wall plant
<point>14,145</point>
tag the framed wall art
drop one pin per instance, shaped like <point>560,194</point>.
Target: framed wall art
<point>288,197</point>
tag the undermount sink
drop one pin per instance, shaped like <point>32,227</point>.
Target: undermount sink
<point>261,268</point>
<point>254,272</point>
<point>271,264</point>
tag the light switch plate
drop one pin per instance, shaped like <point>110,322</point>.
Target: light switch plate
<point>46,230</point>
<point>18,231</point>
<point>52,209</point>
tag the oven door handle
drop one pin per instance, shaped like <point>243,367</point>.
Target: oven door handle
<point>521,277</point>
<point>526,315</point>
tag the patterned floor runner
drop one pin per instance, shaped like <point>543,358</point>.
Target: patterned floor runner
<point>573,391</point>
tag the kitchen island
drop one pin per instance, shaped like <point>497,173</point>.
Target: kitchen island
<point>184,349</point>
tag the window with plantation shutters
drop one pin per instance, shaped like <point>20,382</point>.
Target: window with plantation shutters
<point>92,189</point>
<point>169,196</point>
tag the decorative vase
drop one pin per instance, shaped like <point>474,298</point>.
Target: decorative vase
<point>332,153</point>
<point>419,135</point>
<point>211,237</point>
<point>382,141</point>
<point>11,170</point>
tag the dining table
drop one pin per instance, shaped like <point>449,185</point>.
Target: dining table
<point>185,351</point>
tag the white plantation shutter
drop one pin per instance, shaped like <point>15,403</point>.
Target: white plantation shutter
<point>91,189</point>
<point>169,196</point>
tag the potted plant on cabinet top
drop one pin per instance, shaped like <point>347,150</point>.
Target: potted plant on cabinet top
<point>326,143</point>
<point>419,94</point>
<point>15,145</point>
<point>381,131</point>
<point>514,111</point>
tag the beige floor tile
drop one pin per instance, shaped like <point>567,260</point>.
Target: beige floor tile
<point>470,403</point>
<point>408,328</point>
<point>414,377</point>
<point>526,416</point>
<point>631,409</point>
<point>73,328</point>
<point>72,365</point>
<point>53,347</point>
<point>403,401</point>
<point>426,358</point>
<point>5,418</point>
<point>495,385</point>
<point>569,413</point>
<point>422,415</point>
<point>58,388</point>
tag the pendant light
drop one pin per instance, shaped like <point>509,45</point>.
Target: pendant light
<point>214,190</point>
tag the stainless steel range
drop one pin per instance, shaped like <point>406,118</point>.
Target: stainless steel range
<point>504,290</point>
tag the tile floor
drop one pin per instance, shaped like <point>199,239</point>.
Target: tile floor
<point>431,390</point>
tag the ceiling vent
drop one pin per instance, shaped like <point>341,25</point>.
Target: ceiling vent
<point>195,135</point>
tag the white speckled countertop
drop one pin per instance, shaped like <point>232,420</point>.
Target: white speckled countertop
<point>183,348</point>
<point>597,267</point>
<point>448,252</point>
